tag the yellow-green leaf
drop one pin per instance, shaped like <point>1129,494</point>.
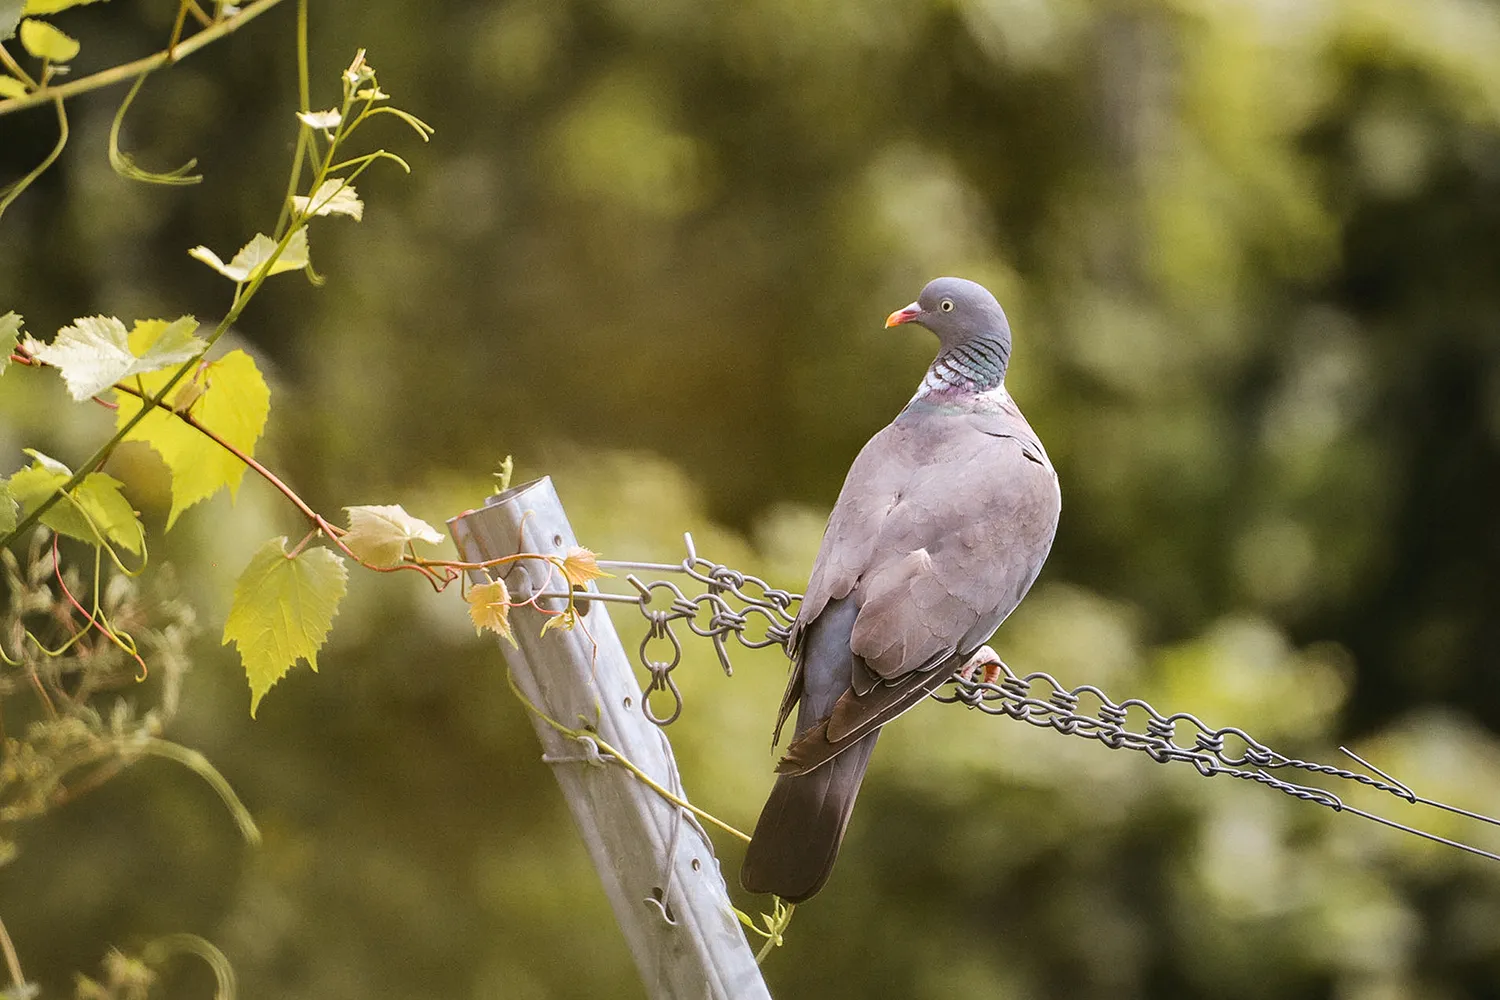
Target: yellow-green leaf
<point>11,87</point>
<point>35,7</point>
<point>489,608</point>
<point>156,338</point>
<point>565,620</point>
<point>95,352</point>
<point>255,256</point>
<point>10,332</point>
<point>45,42</point>
<point>581,566</point>
<point>31,485</point>
<point>378,535</point>
<point>99,496</point>
<point>47,462</point>
<point>333,197</point>
<point>283,608</point>
<point>9,509</point>
<point>94,512</point>
<point>230,398</point>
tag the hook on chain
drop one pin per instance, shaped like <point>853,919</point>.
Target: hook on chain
<point>661,670</point>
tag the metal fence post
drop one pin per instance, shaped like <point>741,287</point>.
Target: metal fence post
<point>656,865</point>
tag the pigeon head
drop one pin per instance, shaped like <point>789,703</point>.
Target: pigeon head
<point>971,328</point>
<point>956,310</point>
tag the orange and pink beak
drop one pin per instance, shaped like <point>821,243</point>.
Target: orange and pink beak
<point>906,315</point>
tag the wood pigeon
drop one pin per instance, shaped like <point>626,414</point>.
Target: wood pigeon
<point>943,523</point>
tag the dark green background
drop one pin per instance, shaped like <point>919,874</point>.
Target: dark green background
<point>1251,253</point>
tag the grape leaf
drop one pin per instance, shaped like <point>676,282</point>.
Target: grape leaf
<point>10,332</point>
<point>31,485</point>
<point>53,6</point>
<point>253,257</point>
<point>283,608</point>
<point>489,608</point>
<point>97,507</point>
<point>568,620</point>
<point>157,337</point>
<point>581,566</point>
<point>44,41</point>
<point>94,353</point>
<point>333,197</point>
<point>99,495</point>
<point>47,462</point>
<point>9,509</point>
<point>378,534</point>
<point>230,398</point>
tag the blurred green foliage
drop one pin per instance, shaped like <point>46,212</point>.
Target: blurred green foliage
<point>1250,249</point>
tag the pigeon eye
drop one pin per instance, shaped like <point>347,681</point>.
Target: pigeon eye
<point>947,305</point>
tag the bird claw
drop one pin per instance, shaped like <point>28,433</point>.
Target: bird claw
<point>984,657</point>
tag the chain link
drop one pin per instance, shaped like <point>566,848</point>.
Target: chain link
<point>759,615</point>
<point>732,604</point>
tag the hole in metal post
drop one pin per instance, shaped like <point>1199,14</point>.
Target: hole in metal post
<point>697,864</point>
<point>557,539</point>
<point>629,701</point>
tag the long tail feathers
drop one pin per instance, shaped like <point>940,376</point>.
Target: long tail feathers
<point>797,838</point>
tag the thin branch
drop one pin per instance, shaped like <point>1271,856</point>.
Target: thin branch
<point>199,765</point>
<point>15,67</point>
<point>176,36</point>
<point>12,961</point>
<point>304,130</point>
<point>14,191</point>
<point>776,926</point>
<point>130,70</point>
<point>625,762</point>
<point>204,18</point>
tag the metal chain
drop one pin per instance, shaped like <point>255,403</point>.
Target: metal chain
<point>759,615</point>
<point>756,617</point>
<point>1228,750</point>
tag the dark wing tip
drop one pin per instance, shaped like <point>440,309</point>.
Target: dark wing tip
<point>809,750</point>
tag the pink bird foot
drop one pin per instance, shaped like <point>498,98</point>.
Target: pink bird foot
<point>984,657</point>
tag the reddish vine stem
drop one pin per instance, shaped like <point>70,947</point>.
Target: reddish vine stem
<point>439,573</point>
<point>297,549</point>
<point>41,690</point>
<point>88,617</point>
<point>57,572</point>
<point>320,523</point>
